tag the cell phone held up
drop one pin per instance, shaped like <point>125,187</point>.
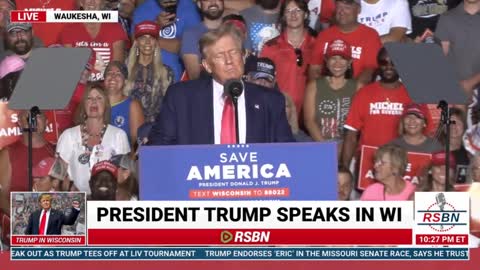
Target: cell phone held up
<point>170,6</point>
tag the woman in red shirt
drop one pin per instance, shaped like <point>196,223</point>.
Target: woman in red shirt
<point>291,51</point>
<point>107,40</point>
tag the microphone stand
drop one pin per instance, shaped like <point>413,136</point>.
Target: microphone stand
<point>32,127</point>
<point>446,121</point>
<point>235,106</point>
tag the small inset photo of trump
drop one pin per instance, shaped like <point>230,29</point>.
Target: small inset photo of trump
<point>48,213</point>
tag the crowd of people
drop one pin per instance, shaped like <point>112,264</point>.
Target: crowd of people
<point>315,73</point>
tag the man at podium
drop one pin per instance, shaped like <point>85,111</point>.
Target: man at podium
<point>199,111</point>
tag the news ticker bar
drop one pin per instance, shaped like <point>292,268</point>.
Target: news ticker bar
<point>209,253</point>
<point>59,16</point>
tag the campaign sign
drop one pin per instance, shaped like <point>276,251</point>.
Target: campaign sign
<point>417,162</point>
<point>281,171</point>
<point>10,131</point>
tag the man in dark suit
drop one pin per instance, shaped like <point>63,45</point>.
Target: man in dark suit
<point>199,112</point>
<point>47,221</point>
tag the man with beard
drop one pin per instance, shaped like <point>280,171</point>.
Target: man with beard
<point>262,22</point>
<point>376,110</point>
<point>211,11</point>
<point>19,39</point>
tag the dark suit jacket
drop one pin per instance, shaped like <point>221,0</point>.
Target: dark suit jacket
<point>56,220</point>
<point>186,116</point>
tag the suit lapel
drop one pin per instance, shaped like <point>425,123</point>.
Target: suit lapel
<point>51,216</point>
<point>252,109</point>
<point>203,112</point>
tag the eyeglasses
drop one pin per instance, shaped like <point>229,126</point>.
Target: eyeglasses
<point>293,11</point>
<point>299,55</point>
<point>380,162</point>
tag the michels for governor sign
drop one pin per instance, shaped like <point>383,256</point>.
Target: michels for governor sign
<point>417,162</point>
<point>280,171</point>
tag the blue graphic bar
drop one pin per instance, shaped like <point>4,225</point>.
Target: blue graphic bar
<point>239,253</point>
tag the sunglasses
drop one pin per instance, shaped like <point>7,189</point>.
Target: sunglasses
<point>299,55</point>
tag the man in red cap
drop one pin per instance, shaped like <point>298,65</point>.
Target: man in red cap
<point>103,181</point>
<point>48,174</point>
<point>364,40</point>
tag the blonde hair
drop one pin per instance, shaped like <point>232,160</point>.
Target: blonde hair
<point>212,36</point>
<point>81,114</point>
<point>46,196</point>
<point>160,72</point>
<point>398,157</point>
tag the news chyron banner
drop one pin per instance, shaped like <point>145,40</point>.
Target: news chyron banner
<point>252,223</point>
<point>283,171</point>
<point>268,230</point>
<point>63,16</point>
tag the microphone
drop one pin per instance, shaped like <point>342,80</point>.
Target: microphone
<point>34,111</point>
<point>441,203</point>
<point>441,200</point>
<point>233,88</point>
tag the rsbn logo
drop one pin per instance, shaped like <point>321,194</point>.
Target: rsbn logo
<point>441,216</point>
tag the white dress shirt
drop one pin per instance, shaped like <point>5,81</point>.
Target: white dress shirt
<point>218,103</point>
<point>46,221</point>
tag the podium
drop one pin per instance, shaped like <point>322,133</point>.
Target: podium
<point>273,171</point>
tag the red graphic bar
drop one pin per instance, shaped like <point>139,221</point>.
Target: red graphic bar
<point>48,240</point>
<point>21,16</point>
<point>249,237</point>
<point>444,239</point>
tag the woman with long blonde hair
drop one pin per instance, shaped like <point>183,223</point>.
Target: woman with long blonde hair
<point>148,78</point>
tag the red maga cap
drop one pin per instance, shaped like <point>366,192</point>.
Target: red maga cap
<point>104,166</point>
<point>339,47</point>
<point>439,158</point>
<point>147,28</point>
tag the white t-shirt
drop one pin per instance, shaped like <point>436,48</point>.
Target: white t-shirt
<point>386,14</point>
<point>70,149</point>
<point>315,7</point>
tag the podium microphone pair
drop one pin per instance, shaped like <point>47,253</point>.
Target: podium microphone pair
<point>234,88</point>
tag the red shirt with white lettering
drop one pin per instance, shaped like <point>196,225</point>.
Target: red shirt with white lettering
<point>376,112</point>
<point>47,32</point>
<point>77,36</point>
<point>365,43</point>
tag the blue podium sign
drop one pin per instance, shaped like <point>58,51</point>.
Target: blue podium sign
<point>282,171</point>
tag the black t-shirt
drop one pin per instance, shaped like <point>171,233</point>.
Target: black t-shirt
<point>425,14</point>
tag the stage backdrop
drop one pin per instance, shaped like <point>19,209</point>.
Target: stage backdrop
<point>281,171</point>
